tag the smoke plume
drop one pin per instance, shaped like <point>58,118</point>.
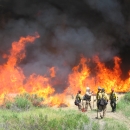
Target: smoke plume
<point>67,29</point>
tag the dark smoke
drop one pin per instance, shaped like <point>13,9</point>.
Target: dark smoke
<point>67,29</point>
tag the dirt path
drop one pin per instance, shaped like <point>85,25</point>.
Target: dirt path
<point>109,115</point>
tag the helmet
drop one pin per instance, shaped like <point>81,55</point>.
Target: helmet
<point>79,91</point>
<point>99,88</point>
<point>87,88</point>
<point>112,89</point>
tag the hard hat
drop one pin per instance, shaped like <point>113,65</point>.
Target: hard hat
<point>79,91</point>
<point>112,89</point>
<point>99,88</point>
<point>87,88</point>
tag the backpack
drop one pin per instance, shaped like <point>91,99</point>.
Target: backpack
<point>103,101</point>
<point>86,97</point>
<point>77,100</point>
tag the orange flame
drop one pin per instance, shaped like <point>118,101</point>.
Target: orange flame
<point>81,77</point>
<point>109,78</point>
<point>78,78</point>
<point>13,80</point>
<point>11,76</point>
<point>57,100</point>
<point>52,72</point>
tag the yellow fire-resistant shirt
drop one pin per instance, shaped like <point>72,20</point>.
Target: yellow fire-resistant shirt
<point>113,96</point>
<point>79,97</point>
<point>104,95</point>
<point>98,96</point>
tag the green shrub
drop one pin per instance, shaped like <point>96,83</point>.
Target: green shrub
<point>121,104</point>
<point>124,102</point>
<point>47,119</point>
<point>8,104</point>
<point>124,105</point>
<point>127,97</point>
<point>22,102</point>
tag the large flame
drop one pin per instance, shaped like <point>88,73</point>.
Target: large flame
<point>78,79</point>
<point>81,77</point>
<point>13,81</point>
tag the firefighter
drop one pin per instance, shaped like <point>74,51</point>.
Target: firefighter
<point>113,100</point>
<point>87,98</point>
<point>98,99</point>
<point>98,96</point>
<point>78,100</point>
<point>103,97</point>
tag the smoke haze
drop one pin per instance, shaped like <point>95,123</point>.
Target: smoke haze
<point>67,29</point>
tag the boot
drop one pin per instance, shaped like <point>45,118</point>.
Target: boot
<point>101,116</point>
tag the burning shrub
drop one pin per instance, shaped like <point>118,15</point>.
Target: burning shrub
<point>36,101</point>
